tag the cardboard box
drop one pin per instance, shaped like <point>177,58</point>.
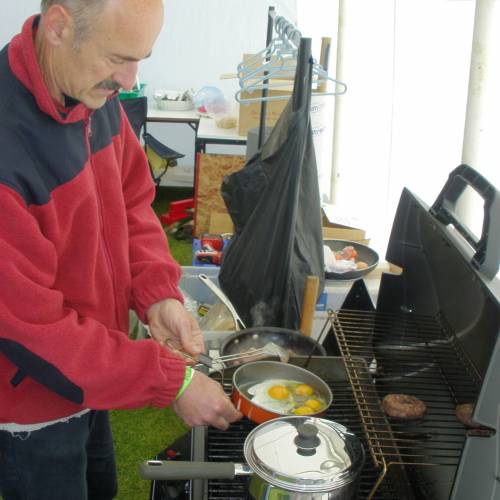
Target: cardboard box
<point>249,113</point>
<point>220,223</point>
<point>364,241</point>
<point>210,173</point>
<point>337,226</point>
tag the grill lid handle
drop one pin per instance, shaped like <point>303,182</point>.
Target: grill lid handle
<point>487,250</point>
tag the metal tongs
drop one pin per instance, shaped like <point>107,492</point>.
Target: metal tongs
<point>269,349</point>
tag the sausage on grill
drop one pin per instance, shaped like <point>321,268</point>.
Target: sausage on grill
<point>403,406</point>
<point>464,414</point>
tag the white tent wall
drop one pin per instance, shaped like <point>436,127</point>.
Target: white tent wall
<point>406,66</point>
<point>201,40</point>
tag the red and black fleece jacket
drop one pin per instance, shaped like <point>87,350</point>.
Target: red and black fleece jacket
<point>79,247</point>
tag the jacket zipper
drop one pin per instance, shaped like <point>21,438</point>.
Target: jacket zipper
<point>88,135</point>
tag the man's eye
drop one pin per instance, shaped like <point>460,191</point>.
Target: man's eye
<point>116,60</point>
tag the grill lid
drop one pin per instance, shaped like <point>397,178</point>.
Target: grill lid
<point>304,454</point>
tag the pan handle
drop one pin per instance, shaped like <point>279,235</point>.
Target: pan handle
<point>174,470</point>
<point>309,305</point>
<point>178,470</point>
<point>487,249</point>
<point>224,299</point>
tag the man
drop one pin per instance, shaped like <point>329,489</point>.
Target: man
<point>81,246</point>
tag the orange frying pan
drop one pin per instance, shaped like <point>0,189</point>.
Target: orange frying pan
<point>250,374</point>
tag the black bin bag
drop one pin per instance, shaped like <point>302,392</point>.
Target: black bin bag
<point>274,203</point>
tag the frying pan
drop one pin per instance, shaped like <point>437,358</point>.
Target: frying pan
<point>250,374</point>
<point>365,254</point>
<point>254,338</point>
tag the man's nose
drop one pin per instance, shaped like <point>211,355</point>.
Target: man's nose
<point>127,75</point>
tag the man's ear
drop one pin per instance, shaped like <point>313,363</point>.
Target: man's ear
<point>58,25</point>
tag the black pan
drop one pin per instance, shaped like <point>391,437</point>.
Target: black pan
<point>366,254</point>
<point>254,338</point>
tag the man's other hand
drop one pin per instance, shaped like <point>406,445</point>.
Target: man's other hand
<point>204,402</point>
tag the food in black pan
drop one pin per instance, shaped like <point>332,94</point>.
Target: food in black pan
<point>343,260</point>
<point>403,406</point>
<point>269,350</point>
<point>351,254</point>
<point>347,260</point>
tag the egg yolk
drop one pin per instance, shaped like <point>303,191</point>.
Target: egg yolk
<point>314,404</point>
<point>303,410</point>
<point>304,390</point>
<point>278,392</point>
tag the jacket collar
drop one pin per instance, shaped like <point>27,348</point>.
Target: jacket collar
<point>24,64</point>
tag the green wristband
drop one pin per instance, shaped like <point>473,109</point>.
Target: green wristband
<point>187,380</point>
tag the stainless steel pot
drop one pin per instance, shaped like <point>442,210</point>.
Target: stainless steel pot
<point>299,458</point>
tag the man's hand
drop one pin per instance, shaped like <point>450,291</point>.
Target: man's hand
<point>171,325</point>
<point>204,402</point>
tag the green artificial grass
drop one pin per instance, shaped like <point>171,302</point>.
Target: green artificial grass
<point>181,250</point>
<point>141,434</point>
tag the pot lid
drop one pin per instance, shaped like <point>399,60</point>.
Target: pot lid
<point>304,454</point>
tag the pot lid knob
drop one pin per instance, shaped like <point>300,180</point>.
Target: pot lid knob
<point>307,439</point>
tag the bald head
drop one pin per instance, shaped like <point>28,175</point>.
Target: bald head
<point>72,4</point>
<point>84,13</point>
<point>89,48</point>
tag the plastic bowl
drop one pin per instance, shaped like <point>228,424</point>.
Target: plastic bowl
<point>366,254</point>
<point>168,105</point>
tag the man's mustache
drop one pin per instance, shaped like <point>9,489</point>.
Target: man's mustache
<point>108,85</point>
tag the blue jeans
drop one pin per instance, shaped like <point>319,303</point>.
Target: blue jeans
<point>71,460</point>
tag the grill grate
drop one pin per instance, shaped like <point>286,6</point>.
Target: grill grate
<point>409,354</point>
<point>228,446</point>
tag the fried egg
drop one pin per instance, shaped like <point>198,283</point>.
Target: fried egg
<point>286,397</point>
<point>314,404</point>
<point>273,395</point>
<point>303,410</point>
<point>303,390</point>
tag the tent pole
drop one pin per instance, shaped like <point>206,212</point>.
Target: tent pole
<point>479,122</point>
<point>337,116</point>
<point>263,107</point>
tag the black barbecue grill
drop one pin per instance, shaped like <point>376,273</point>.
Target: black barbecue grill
<point>223,446</point>
<point>434,334</point>
<point>426,363</point>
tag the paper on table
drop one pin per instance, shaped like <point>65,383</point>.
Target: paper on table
<point>335,215</point>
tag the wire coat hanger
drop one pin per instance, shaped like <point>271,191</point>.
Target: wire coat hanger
<point>274,67</point>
